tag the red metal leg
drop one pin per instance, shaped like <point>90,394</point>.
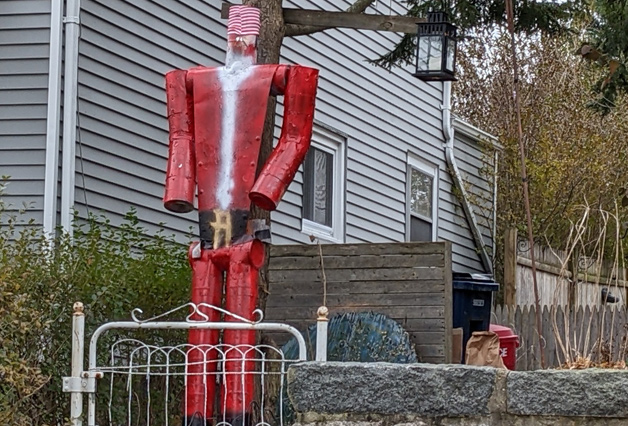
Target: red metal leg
<point>200,389</point>
<point>241,299</point>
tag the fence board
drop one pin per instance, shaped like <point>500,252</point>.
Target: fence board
<point>397,313</point>
<point>522,353</point>
<point>549,343</point>
<point>617,318</point>
<point>576,328</point>
<point>578,343</point>
<point>363,261</point>
<point>532,338</point>
<point>556,280</point>
<point>359,249</point>
<point>581,330</point>
<point>508,315</point>
<point>412,300</point>
<point>343,275</point>
<point>496,314</point>
<point>362,287</point>
<point>410,282</point>
<point>589,323</point>
<point>558,323</point>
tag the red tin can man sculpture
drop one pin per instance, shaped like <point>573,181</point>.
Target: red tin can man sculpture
<point>216,118</point>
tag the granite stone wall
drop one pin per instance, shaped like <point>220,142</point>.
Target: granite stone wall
<point>379,394</point>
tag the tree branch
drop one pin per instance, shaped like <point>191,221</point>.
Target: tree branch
<point>298,30</point>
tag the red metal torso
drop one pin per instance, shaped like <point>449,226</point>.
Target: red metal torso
<point>229,114</point>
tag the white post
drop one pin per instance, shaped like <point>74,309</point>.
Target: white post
<point>321,333</point>
<point>78,346</point>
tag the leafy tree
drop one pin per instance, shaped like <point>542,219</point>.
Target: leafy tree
<point>112,270</point>
<point>471,16</point>
<point>607,48</point>
<point>574,156</point>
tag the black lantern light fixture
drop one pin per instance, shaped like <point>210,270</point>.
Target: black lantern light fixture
<point>436,49</point>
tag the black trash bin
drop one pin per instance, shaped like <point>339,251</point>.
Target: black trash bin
<point>472,299</point>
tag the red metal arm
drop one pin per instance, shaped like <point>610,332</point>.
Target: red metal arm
<point>180,176</point>
<point>296,133</point>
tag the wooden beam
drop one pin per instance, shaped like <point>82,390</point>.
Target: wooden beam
<point>358,21</point>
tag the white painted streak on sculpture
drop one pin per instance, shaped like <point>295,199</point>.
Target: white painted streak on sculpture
<point>231,77</point>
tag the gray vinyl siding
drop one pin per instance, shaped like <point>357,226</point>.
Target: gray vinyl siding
<point>125,50</point>
<point>24,52</point>
<point>476,163</point>
<point>384,115</point>
<point>473,162</point>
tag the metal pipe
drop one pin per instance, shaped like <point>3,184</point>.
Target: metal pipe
<point>166,325</point>
<point>78,348</point>
<point>52,117</point>
<point>453,166</point>
<point>70,87</point>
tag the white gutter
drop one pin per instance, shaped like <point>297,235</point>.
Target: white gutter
<point>476,133</point>
<point>453,166</point>
<point>72,33</point>
<point>52,118</point>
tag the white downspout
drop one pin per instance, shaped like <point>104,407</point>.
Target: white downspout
<point>72,33</point>
<point>453,166</point>
<point>53,118</point>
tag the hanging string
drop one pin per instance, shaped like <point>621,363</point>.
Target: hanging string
<point>320,254</point>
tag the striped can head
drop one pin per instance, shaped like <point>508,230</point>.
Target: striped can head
<point>243,21</point>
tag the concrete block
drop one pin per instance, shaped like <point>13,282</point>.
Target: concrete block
<point>591,392</point>
<point>382,388</point>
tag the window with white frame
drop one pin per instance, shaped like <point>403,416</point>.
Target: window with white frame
<point>422,200</point>
<point>323,187</point>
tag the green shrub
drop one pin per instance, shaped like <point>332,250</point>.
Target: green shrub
<point>110,269</point>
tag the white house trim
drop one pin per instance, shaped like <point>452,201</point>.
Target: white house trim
<point>328,141</point>
<point>53,118</point>
<point>70,90</point>
<point>415,162</point>
<point>474,133</point>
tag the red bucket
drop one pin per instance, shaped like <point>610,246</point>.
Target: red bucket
<point>508,344</point>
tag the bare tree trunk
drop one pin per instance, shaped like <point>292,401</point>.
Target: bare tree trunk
<point>272,32</point>
<point>269,49</point>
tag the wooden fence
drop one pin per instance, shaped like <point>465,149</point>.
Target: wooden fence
<point>410,282</point>
<point>561,281</point>
<point>599,333</point>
